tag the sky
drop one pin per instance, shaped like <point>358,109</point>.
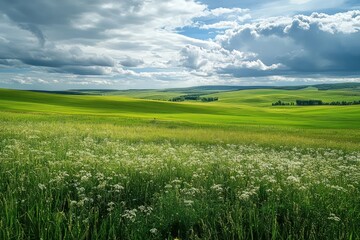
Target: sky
<point>131,44</point>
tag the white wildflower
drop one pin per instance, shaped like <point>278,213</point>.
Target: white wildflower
<point>153,231</point>
<point>42,186</point>
<point>111,206</point>
<point>118,187</point>
<point>130,214</point>
<point>293,179</point>
<point>188,203</point>
<point>334,217</point>
<point>217,187</point>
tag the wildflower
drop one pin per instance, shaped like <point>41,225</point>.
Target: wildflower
<point>118,187</point>
<point>146,210</point>
<point>84,178</point>
<point>102,185</point>
<point>110,206</point>
<point>153,231</point>
<point>142,208</point>
<point>130,214</point>
<point>188,202</point>
<point>293,179</point>
<point>217,187</point>
<point>41,186</point>
<point>334,217</point>
<point>245,196</point>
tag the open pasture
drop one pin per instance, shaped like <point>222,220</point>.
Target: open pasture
<point>112,167</point>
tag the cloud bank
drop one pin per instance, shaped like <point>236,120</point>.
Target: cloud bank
<point>139,44</point>
<point>321,44</point>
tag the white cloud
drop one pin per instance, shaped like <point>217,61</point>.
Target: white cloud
<point>228,12</point>
<point>216,60</point>
<point>221,18</point>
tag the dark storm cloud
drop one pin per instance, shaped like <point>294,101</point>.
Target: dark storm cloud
<point>61,58</point>
<point>131,62</point>
<point>55,59</point>
<point>54,17</point>
<point>10,62</point>
<point>60,18</point>
<point>86,24</point>
<point>34,30</point>
<point>44,12</point>
<point>80,70</point>
<point>86,19</point>
<point>319,43</point>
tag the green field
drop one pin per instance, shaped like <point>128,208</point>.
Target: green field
<point>132,165</point>
<point>239,116</point>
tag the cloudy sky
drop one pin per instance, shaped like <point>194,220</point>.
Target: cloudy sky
<point>121,44</point>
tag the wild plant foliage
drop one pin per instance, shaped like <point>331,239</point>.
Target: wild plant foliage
<point>69,185</point>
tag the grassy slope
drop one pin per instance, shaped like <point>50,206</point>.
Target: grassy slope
<point>234,108</point>
<point>264,97</point>
<point>240,116</point>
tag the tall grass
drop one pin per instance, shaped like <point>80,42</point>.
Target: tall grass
<point>133,129</point>
<point>90,180</point>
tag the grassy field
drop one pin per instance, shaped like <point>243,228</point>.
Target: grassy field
<point>128,167</point>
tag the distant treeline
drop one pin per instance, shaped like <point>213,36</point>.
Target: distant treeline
<point>314,103</point>
<point>309,102</point>
<point>342,103</point>
<point>194,98</point>
<point>281,103</point>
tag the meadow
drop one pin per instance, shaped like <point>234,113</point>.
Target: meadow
<point>136,166</point>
